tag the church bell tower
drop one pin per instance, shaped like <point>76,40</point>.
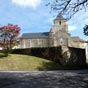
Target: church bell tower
<point>59,32</point>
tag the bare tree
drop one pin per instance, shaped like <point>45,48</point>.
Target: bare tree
<point>68,7</point>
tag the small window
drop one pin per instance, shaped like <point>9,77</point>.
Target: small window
<point>59,22</point>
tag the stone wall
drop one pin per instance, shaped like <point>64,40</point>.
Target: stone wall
<point>29,43</point>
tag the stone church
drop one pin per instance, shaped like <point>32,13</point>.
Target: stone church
<point>57,36</point>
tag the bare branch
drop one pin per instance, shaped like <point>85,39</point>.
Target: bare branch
<point>69,7</point>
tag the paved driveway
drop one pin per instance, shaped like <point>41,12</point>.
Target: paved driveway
<point>45,79</point>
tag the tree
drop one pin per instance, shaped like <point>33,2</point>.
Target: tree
<point>86,30</point>
<point>8,36</point>
<point>68,7</point>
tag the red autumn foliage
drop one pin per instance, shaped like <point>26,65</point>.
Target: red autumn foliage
<point>8,35</point>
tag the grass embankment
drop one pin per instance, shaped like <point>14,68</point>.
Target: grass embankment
<point>25,62</point>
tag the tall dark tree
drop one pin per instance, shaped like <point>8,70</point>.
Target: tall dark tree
<point>86,30</point>
<point>68,7</point>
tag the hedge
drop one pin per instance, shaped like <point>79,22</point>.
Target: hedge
<point>50,53</point>
<point>77,55</point>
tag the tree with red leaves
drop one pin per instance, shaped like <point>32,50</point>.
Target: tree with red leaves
<point>8,36</point>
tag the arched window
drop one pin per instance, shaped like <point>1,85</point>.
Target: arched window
<point>60,22</point>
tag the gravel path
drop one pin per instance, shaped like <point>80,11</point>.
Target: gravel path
<point>44,79</point>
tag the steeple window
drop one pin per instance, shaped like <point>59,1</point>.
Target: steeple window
<point>60,22</point>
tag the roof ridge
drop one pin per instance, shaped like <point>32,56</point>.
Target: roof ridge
<point>35,35</point>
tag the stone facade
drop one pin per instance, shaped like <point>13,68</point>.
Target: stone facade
<point>58,36</point>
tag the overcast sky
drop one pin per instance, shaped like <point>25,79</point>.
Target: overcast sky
<point>34,16</point>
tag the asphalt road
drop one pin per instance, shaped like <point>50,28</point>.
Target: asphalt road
<point>44,79</point>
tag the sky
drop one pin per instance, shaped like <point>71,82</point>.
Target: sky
<point>34,16</point>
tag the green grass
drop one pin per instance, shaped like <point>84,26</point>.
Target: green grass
<point>16,62</point>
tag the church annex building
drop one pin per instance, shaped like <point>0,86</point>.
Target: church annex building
<point>57,36</point>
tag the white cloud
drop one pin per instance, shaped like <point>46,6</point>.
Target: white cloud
<point>27,3</point>
<point>86,20</point>
<point>71,28</point>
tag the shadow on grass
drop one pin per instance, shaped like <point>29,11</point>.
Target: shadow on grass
<point>2,55</point>
<point>49,66</point>
<point>56,66</point>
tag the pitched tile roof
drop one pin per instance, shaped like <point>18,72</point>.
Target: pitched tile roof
<point>35,35</point>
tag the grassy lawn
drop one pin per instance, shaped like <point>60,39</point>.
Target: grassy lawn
<point>15,62</point>
<point>25,62</point>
